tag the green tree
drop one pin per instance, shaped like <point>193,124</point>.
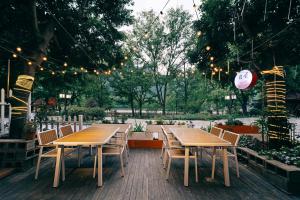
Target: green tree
<point>81,32</point>
<point>161,45</point>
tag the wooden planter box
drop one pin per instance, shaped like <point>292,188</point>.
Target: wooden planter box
<point>143,140</point>
<point>241,129</point>
<point>285,177</point>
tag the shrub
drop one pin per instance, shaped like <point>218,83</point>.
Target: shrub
<point>138,127</point>
<point>234,122</point>
<point>89,113</point>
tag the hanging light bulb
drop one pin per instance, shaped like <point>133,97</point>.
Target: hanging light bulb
<point>211,58</point>
<point>114,69</point>
<point>19,49</point>
<point>65,64</point>
<point>97,73</point>
<point>211,65</point>
<point>42,69</point>
<point>95,70</point>
<point>14,55</point>
<point>126,58</point>
<point>75,73</point>
<point>194,6</point>
<point>199,33</point>
<point>146,35</point>
<point>29,63</point>
<point>81,68</point>
<point>63,71</point>
<point>220,69</point>
<point>122,64</point>
<point>208,48</point>
<point>213,73</point>
<point>53,73</point>
<point>86,71</point>
<point>45,58</point>
<point>203,74</point>
<point>216,69</point>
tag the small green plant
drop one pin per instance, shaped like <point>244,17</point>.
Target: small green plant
<point>138,127</point>
<point>232,121</point>
<point>148,122</point>
<point>160,122</point>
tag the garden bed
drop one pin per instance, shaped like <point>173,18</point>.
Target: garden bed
<point>143,140</point>
<point>240,129</point>
<point>285,177</point>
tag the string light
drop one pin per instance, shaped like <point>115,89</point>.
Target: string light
<point>122,64</point>
<point>53,73</point>
<point>29,63</point>
<point>14,55</point>
<point>199,33</point>
<point>19,49</point>
<point>207,48</point>
<point>75,73</point>
<point>97,73</point>
<point>95,70</point>
<point>63,71</point>
<point>42,69</point>
<point>65,64</point>
<point>126,58</point>
<point>216,69</point>
<point>211,65</point>
<point>211,58</point>
<point>81,68</point>
<point>45,58</point>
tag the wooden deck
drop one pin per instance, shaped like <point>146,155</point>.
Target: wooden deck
<point>144,179</point>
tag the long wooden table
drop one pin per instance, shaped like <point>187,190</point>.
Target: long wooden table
<point>95,135</point>
<point>192,137</point>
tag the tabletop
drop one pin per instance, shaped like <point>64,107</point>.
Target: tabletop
<point>89,136</point>
<point>198,137</point>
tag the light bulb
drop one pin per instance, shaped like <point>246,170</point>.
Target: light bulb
<point>19,49</point>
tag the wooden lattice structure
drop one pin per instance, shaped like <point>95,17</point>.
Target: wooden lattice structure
<point>278,131</point>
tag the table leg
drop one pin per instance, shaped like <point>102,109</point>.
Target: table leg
<point>186,166</point>
<point>57,167</point>
<point>63,164</point>
<point>225,167</point>
<point>100,180</point>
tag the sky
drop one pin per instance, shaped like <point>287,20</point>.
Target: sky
<point>157,5</point>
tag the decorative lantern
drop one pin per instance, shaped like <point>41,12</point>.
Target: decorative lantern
<point>245,79</point>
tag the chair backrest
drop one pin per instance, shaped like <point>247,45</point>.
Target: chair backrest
<point>66,130</point>
<point>47,137</point>
<point>231,137</point>
<point>216,131</point>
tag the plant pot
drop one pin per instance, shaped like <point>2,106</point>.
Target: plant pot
<point>140,136</point>
<point>29,131</point>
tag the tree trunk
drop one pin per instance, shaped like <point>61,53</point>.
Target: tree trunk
<point>24,82</point>
<point>140,108</point>
<point>244,103</point>
<point>131,105</point>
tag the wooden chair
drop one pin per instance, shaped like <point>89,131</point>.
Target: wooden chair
<point>169,142</point>
<point>113,149</point>
<point>45,140</point>
<point>180,154</point>
<point>233,138</point>
<point>216,131</point>
<point>67,130</point>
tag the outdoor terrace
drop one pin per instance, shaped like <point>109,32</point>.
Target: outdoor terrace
<point>144,179</point>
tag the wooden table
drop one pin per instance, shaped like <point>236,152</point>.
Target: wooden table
<point>90,136</point>
<point>192,137</point>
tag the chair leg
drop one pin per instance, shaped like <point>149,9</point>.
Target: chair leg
<point>213,164</point>
<point>38,164</point>
<point>91,150</point>
<point>162,151</point>
<point>165,159</point>
<point>122,165</point>
<point>236,163</point>
<point>169,166</point>
<point>127,148</point>
<point>79,155</point>
<point>63,167</point>
<point>196,167</point>
<point>95,166</point>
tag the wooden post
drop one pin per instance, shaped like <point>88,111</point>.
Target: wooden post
<point>80,121</point>
<point>69,119</point>
<point>75,127</point>
<point>2,110</point>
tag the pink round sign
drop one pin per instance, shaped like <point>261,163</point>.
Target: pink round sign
<point>245,79</point>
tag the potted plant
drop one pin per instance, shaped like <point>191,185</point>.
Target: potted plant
<point>29,130</point>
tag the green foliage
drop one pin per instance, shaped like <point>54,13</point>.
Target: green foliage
<point>232,121</point>
<point>290,156</point>
<point>138,127</point>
